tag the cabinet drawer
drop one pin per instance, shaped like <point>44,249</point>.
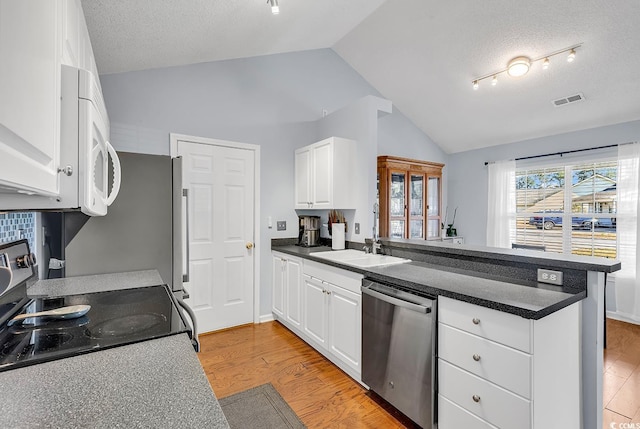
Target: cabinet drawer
<point>451,416</point>
<point>504,328</point>
<point>344,278</point>
<point>504,366</point>
<point>494,404</point>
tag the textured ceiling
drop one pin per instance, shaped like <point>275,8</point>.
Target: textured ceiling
<point>141,34</point>
<point>420,54</point>
<point>423,55</point>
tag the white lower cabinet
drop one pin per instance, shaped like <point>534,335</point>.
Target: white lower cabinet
<point>500,370</point>
<point>334,320</point>
<point>453,416</point>
<point>287,288</point>
<point>345,326</point>
<point>329,302</point>
<point>315,309</point>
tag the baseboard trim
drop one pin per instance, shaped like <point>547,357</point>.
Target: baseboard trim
<point>621,317</point>
<point>266,318</point>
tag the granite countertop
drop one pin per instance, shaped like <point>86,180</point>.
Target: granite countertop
<point>528,300</point>
<point>95,283</point>
<point>150,384</point>
<point>550,259</point>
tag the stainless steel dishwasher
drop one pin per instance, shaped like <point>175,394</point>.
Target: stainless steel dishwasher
<point>398,349</point>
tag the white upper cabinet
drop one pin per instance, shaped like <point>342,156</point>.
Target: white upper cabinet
<point>30,95</point>
<point>73,21</point>
<point>303,177</point>
<point>324,175</point>
<point>76,45</point>
<point>36,38</point>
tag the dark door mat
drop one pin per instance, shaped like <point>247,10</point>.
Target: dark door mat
<point>260,407</point>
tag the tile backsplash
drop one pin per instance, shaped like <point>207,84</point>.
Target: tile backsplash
<point>15,226</point>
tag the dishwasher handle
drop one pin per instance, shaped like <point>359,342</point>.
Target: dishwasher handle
<point>371,291</point>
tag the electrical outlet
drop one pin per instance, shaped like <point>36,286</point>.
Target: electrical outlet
<point>281,225</point>
<point>357,228</point>
<point>549,276</point>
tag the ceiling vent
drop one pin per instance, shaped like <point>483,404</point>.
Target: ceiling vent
<point>568,100</point>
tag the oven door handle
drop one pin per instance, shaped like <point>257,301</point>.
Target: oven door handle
<point>194,334</point>
<point>395,301</point>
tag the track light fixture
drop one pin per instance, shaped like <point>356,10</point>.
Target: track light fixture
<point>519,66</point>
<point>275,9</point>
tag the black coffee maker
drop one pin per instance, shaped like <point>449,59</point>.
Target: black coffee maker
<point>309,231</point>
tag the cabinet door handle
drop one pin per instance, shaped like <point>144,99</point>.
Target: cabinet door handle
<point>328,292</point>
<point>68,170</point>
<point>476,398</point>
<point>475,321</point>
<point>476,357</point>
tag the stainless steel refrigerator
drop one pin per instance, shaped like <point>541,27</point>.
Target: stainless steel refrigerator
<point>142,230</point>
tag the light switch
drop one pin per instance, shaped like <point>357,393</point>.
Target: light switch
<point>357,228</point>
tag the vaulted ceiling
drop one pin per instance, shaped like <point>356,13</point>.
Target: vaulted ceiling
<point>420,54</point>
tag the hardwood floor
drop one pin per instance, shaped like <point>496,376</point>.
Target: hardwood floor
<point>325,397</point>
<point>621,392</point>
<point>318,392</point>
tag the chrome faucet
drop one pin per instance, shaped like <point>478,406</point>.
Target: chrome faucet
<point>376,247</point>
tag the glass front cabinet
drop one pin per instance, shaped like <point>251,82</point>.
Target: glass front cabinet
<point>410,198</point>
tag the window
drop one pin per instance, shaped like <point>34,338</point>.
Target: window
<point>568,208</point>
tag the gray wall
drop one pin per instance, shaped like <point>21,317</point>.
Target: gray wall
<point>468,174</point>
<point>134,224</point>
<point>273,101</point>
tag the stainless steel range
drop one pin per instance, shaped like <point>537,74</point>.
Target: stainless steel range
<point>115,318</point>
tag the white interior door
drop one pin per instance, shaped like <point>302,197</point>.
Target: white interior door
<point>220,183</point>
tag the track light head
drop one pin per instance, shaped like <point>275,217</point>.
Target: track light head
<point>545,64</point>
<point>275,9</point>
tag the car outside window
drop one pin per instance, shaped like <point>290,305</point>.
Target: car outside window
<point>568,209</point>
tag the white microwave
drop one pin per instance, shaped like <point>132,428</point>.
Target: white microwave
<point>86,156</point>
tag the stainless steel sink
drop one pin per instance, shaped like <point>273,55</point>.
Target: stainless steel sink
<point>360,259</point>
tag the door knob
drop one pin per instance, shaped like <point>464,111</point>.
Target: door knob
<point>249,245</point>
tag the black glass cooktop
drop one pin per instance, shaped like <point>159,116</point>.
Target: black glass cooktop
<point>116,318</point>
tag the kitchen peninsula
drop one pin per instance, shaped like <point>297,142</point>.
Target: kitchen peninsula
<point>504,280</point>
